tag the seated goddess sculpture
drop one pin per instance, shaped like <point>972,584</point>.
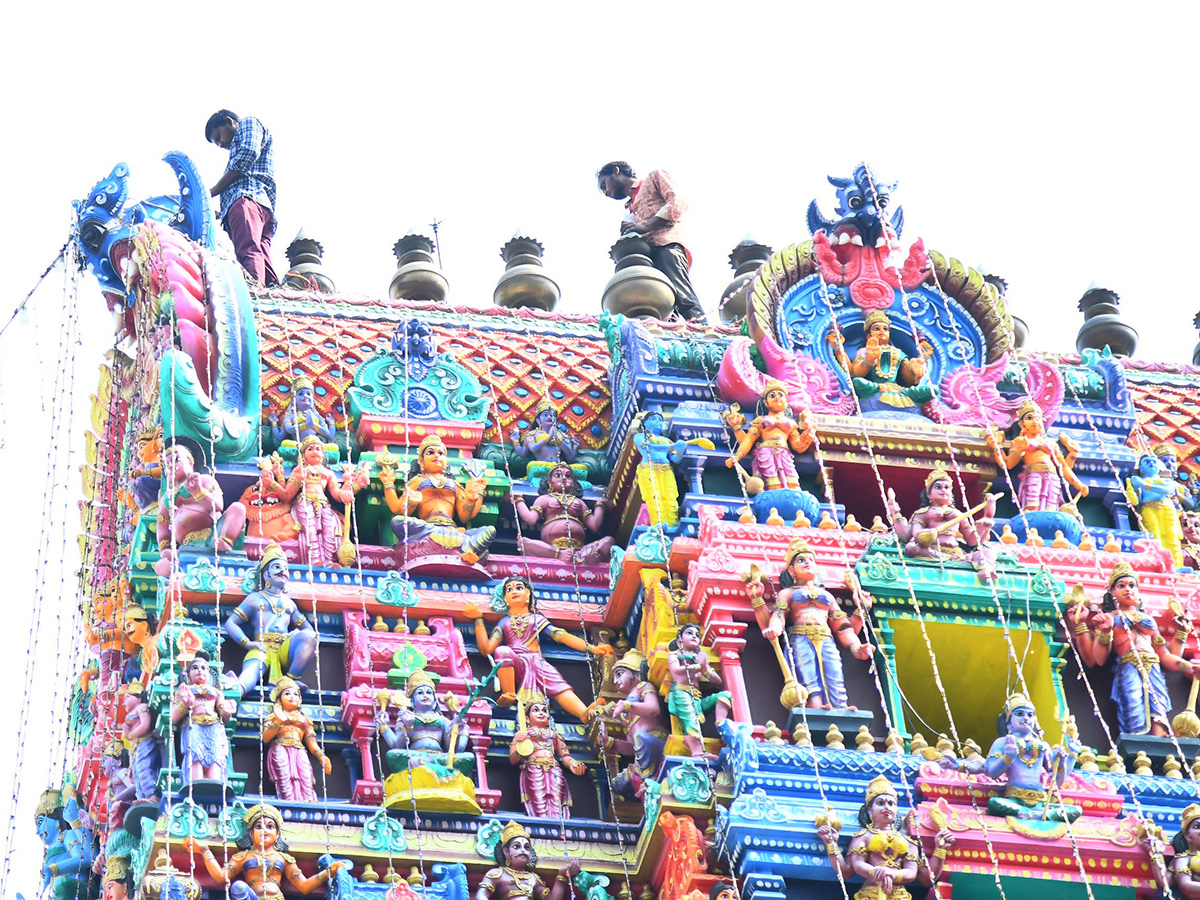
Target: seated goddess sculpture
<point>545,440</point>
<point>432,500</point>
<point>277,637</point>
<point>301,419</point>
<point>882,374</point>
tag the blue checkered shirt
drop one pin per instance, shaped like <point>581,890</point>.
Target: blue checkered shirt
<point>250,153</point>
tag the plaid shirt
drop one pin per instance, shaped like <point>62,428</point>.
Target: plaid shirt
<point>250,153</point>
<point>655,195</point>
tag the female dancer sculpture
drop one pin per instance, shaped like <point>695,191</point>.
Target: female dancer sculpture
<point>515,642</point>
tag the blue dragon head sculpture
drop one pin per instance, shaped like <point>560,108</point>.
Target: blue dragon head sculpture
<point>105,228</point>
<point>864,203</point>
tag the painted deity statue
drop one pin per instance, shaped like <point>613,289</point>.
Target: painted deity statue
<point>1181,877</point>
<point>539,750</point>
<point>192,509</point>
<point>879,852</point>
<point>145,753</point>
<point>563,520</point>
<point>268,516</point>
<point>545,440</point>
<point>882,375</point>
<point>515,642</point>
<point>812,618</point>
<point>261,864</point>
<point>121,790</point>
<point>938,531</point>
<point>315,483</point>
<point>1168,460</point>
<point>117,883</point>
<point>434,504</point>
<point>147,471</point>
<point>640,714</point>
<point>513,878</point>
<point>68,842</point>
<point>301,420</point>
<point>203,711</point>
<point>690,668</point>
<point>1044,466</point>
<point>291,737</point>
<point>772,437</point>
<point>656,471</point>
<point>424,736</point>
<point>1123,626</point>
<point>278,639</point>
<point>1157,499</point>
<point>140,627</point>
<point>1031,768</point>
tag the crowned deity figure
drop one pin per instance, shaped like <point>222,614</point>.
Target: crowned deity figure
<point>68,842</point>
<point>772,437</point>
<point>812,618</point>
<point>690,668</point>
<point>278,639</point>
<point>315,483</point>
<point>1044,467</point>
<point>261,864</point>
<point>432,500</point>
<point>424,736</point>
<point>291,737</point>
<point>145,753</point>
<point>545,440</point>
<point>301,420</point>
<point>192,509</point>
<point>656,471</point>
<point>1032,770</point>
<point>881,373</point>
<point>140,627</point>
<point>542,754</point>
<point>514,878</point>
<point>563,520</point>
<point>1181,876</point>
<point>1123,626</point>
<point>1168,460</point>
<point>203,711</point>
<point>938,531</point>
<point>879,852</point>
<point>640,716</point>
<point>515,641</point>
<point>1158,500</point>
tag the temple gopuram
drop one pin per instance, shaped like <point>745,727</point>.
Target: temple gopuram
<point>847,596</point>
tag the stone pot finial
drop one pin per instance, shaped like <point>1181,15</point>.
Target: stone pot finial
<point>418,276</point>
<point>1102,326</point>
<point>637,289</point>
<point>745,260</point>
<point>524,282</point>
<point>306,272</point>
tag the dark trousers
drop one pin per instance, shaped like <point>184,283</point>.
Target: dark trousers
<point>672,261</point>
<point>251,226</point>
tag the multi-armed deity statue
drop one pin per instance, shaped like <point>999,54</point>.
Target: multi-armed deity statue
<point>434,504</point>
<point>302,420</point>
<point>278,639</point>
<point>884,377</point>
<point>812,618</point>
<point>563,520</point>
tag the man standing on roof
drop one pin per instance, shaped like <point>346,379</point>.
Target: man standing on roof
<point>247,190</point>
<point>655,210</point>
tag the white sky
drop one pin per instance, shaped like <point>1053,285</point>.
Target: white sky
<point>1041,141</point>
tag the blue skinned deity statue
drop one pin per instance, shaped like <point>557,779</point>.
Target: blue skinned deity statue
<point>864,202</point>
<point>69,850</point>
<point>414,346</point>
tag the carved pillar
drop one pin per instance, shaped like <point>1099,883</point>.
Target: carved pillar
<point>887,647</point>
<point>728,643</point>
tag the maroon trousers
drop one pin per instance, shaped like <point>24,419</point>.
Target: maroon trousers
<point>251,226</point>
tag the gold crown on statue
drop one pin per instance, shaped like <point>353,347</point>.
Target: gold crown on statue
<point>1190,814</point>
<point>795,548</point>
<point>135,612</point>
<point>310,441</point>
<point>879,785</point>
<point>631,661</point>
<point>419,678</point>
<point>1119,571</point>
<point>1027,407</point>
<point>1015,702</point>
<point>282,685</point>
<point>543,405</point>
<point>876,315</point>
<point>774,385</point>
<point>262,811</point>
<point>273,551</point>
<point>116,868</point>
<point>1161,450</point>
<point>302,382</point>
<point>938,474</point>
<point>513,830</point>
<point>50,803</point>
<point>135,686</point>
